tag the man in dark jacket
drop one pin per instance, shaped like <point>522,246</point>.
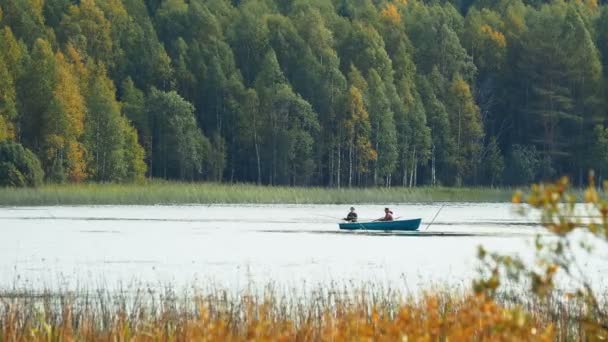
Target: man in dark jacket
<point>352,216</point>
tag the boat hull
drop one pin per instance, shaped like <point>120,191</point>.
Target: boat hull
<point>401,225</point>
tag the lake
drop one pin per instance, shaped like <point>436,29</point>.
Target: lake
<point>235,246</point>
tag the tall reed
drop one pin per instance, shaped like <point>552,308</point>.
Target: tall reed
<point>326,315</point>
<point>158,192</point>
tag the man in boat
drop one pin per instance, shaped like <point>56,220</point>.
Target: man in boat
<point>352,215</point>
<point>388,215</point>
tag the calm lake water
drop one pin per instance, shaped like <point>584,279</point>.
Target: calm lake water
<point>234,246</point>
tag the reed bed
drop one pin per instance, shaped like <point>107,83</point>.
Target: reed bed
<point>326,315</point>
<point>159,192</point>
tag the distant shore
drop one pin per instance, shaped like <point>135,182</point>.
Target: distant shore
<point>160,192</point>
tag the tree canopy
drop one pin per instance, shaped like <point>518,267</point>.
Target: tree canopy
<point>297,92</point>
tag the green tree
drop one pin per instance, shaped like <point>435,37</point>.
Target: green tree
<point>104,130</point>
<point>249,128</point>
<point>442,144</point>
<point>597,153</point>
<point>248,37</point>
<point>434,32</point>
<point>465,121</point>
<point>585,78</point>
<point>146,60</point>
<point>35,93</point>
<point>179,149</point>
<point>26,19</point>
<point>325,87</point>
<point>384,136</point>
<point>523,166</point>
<point>291,127</point>
<point>134,109</point>
<point>562,90</point>
<point>19,166</point>
<point>493,163</point>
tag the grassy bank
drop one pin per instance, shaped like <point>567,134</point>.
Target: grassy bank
<point>210,193</point>
<point>327,316</point>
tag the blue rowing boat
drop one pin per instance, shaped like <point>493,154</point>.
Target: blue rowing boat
<point>401,225</point>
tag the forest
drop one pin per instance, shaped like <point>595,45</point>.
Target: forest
<point>335,93</point>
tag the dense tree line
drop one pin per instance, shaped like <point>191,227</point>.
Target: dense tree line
<point>304,92</point>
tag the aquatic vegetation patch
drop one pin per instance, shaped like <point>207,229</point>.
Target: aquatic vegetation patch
<point>159,192</point>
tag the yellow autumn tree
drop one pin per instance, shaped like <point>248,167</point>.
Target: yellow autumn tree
<point>64,126</point>
<point>10,57</point>
<point>134,154</point>
<point>78,66</point>
<point>7,103</point>
<point>358,135</point>
<point>90,31</point>
<point>391,14</point>
<point>591,4</point>
<point>484,39</point>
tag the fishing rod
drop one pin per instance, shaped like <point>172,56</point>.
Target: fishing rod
<point>433,220</point>
<point>328,216</point>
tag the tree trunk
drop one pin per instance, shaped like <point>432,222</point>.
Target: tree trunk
<point>458,145</point>
<point>339,166</point>
<point>433,170</point>
<point>376,165</point>
<point>404,176</point>
<point>257,150</point>
<point>413,168</point>
<point>330,167</point>
<point>273,170</point>
<point>350,165</point>
<point>415,171</point>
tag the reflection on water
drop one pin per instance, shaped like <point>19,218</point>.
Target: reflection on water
<point>235,245</point>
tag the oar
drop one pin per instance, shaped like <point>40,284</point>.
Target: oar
<point>433,220</point>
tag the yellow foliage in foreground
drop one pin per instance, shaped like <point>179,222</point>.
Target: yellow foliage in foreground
<point>433,318</point>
